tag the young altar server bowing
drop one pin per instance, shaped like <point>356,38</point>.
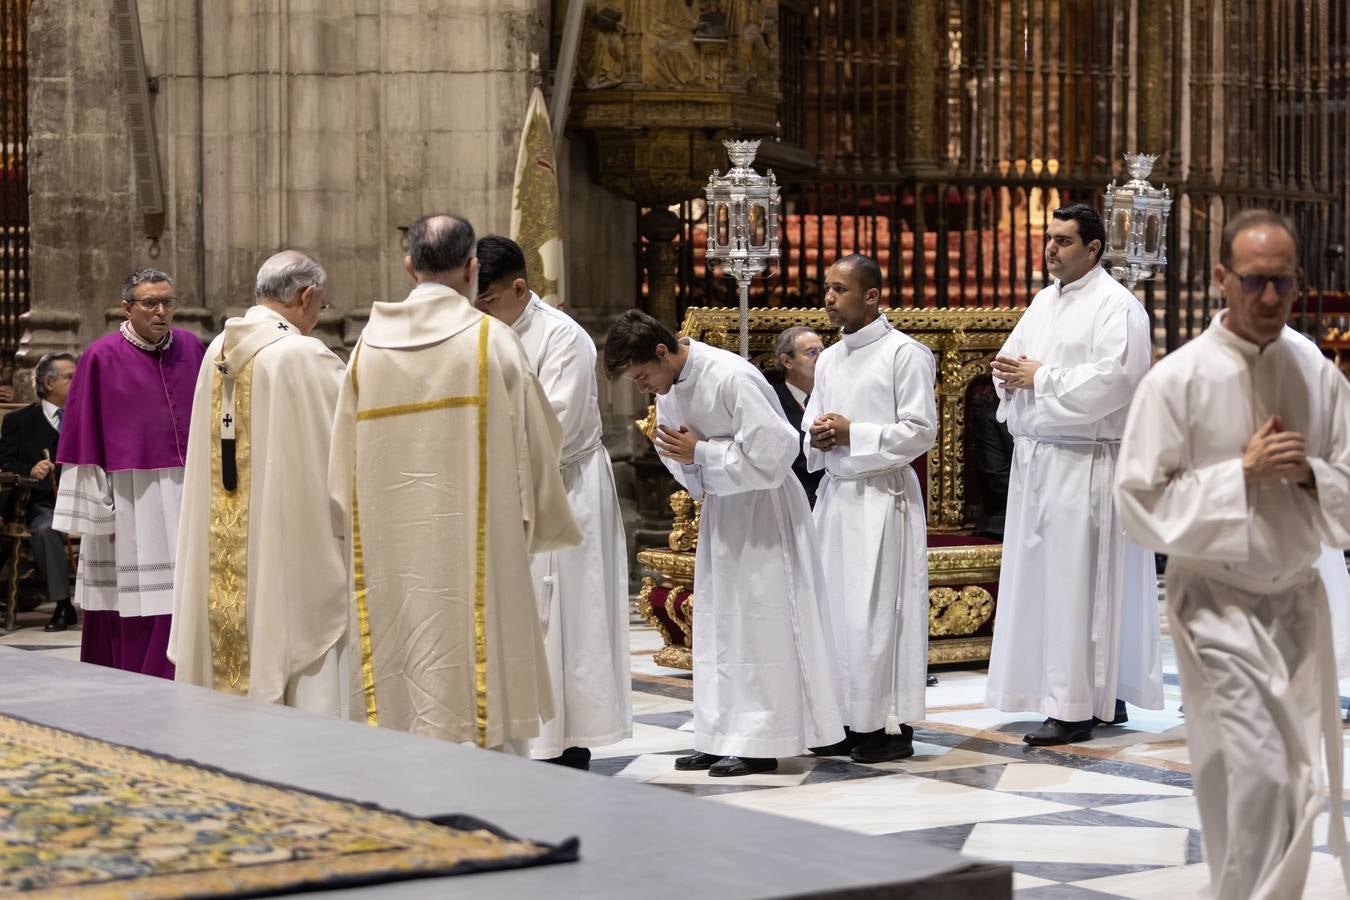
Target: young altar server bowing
<point>764,684</point>
<point>872,414</point>
<point>583,591</point>
<point>444,474</point>
<point>260,597</point>
<point>1236,461</point>
<point>1076,633</point>
<point>123,445</point>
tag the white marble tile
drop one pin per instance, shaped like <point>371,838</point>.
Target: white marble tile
<point>957,688</point>
<point>1157,884</point>
<point>984,718</point>
<point>1180,812</point>
<point>1026,882</point>
<point>661,770</point>
<point>644,639</point>
<point>645,704</point>
<point>1050,779</point>
<point>1102,844</point>
<point>647,739</point>
<point>645,664</point>
<point>936,758</point>
<point>891,803</point>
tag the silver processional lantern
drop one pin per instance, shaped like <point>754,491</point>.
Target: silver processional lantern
<point>742,224</point>
<point>1136,223</point>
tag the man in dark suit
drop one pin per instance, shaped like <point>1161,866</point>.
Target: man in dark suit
<point>795,351</point>
<point>28,439</point>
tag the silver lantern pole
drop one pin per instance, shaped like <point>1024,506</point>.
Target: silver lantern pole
<point>1136,223</point>
<point>742,224</point>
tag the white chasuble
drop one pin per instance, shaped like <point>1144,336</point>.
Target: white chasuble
<point>870,522</point>
<point>582,592</point>
<point>260,602</point>
<point>445,477</point>
<point>1247,609</point>
<point>1076,626</point>
<point>764,679</point>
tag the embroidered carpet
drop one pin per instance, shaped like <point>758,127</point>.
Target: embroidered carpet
<point>84,818</point>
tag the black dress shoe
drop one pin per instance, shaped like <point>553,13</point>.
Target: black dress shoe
<point>843,748</point>
<point>59,620</point>
<point>1120,718</point>
<point>573,758</point>
<point>1054,732</point>
<point>932,681</point>
<point>731,766</point>
<point>696,762</point>
<point>882,747</point>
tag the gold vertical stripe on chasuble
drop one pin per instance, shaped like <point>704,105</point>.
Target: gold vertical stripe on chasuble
<point>480,573</point>
<point>363,615</point>
<point>359,581</point>
<point>227,546</point>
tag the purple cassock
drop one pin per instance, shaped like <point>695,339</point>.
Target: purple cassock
<point>129,408</point>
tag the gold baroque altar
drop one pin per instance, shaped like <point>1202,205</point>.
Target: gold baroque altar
<point>962,569</point>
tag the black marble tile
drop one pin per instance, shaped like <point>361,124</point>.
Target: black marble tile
<point>838,768</point>
<point>1075,872</point>
<point>1081,817</point>
<point>985,777</point>
<point>662,689</point>
<point>672,720</point>
<point>718,786</point>
<point>610,766</point>
<point>950,837</point>
<point>1062,892</point>
<point>1090,801</point>
<point>1195,850</point>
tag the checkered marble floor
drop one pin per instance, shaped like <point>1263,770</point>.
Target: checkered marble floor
<point>1111,817</point>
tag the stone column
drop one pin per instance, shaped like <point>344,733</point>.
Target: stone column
<point>922,43</point>
<point>661,227</point>
<point>44,331</point>
<point>1154,28</point>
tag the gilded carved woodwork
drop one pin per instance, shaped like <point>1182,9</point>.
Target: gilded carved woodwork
<point>660,83</point>
<point>964,342</point>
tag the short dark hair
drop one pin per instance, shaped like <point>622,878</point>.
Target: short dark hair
<point>1090,226</point>
<point>1251,218</point>
<point>44,370</point>
<point>440,243</point>
<point>866,268</point>
<point>499,258</point>
<point>633,338</point>
<point>143,275</point>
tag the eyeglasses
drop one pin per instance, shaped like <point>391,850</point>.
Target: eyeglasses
<point>1256,284</point>
<point>168,303</point>
<point>811,352</point>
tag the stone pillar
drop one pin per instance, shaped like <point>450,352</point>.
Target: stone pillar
<point>661,227</point>
<point>922,43</point>
<point>1154,28</point>
<point>44,331</point>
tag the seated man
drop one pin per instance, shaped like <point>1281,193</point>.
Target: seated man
<point>28,447</point>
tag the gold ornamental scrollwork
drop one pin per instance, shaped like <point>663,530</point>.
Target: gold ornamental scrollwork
<point>959,613</point>
<point>684,530</point>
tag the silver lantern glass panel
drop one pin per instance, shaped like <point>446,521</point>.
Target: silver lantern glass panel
<point>742,209</point>
<point>1136,223</point>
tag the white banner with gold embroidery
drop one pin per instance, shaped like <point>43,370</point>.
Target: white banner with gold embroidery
<point>536,210</point>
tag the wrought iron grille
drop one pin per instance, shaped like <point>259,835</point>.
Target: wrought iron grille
<point>14,293</point>
<point>943,132</point>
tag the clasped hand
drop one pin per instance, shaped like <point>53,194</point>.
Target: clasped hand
<point>1273,453</point>
<point>829,431</point>
<point>1016,373</point>
<point>678,445</point>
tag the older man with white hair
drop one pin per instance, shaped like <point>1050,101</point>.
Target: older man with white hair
<point>260,604</point>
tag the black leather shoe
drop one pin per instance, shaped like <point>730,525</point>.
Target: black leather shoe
<point>932,681</point>
<point>1054,732</point>
<point>696,762</point>
<point>882,747</point>
<point>1120,718</point>
<point>62,618</point>
<point>731,766</point>
<point>573,758</point>
<point>843,748</point>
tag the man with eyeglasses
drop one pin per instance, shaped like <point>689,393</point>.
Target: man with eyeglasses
<point>123,445</point>
<point>796,351</point>
<point>1236,462</point>
<point>1076,633</point>
<point>251,616</point>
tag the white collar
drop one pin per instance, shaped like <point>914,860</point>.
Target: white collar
<point>797,393</point>
<point>872,331</point>
<point>1066,290</point>
<point>50,410</point>
<point>141,343</point>
<point>527,314</point>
